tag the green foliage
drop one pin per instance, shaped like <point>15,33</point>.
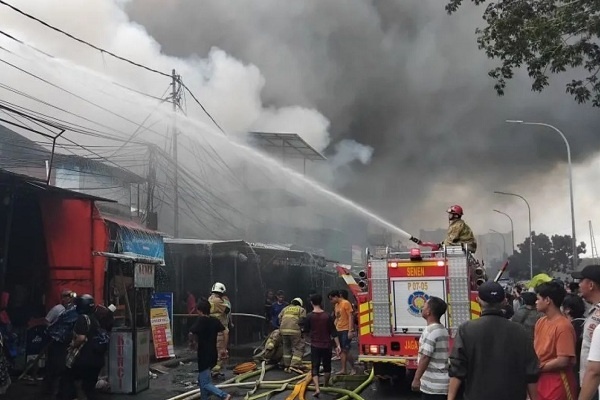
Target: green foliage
<point>546,37</point>
<point>550,254</point>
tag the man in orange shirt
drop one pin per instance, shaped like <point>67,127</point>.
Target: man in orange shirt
<point>554,343</point>
<point>344,324</point>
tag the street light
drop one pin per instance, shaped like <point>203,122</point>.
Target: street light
<point>512,230</point>
<point>503,240</point>
<point>564,138</point>
<point>530,234</point>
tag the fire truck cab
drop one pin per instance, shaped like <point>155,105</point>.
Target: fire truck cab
<point>392,292</point>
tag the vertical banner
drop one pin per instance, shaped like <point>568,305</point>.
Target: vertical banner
<point>161,333</point>
<point>120,355</point>
<point>163,300</point>
<point>143,360</point>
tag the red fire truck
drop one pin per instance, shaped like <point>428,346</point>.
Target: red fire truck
<point>391,293</point>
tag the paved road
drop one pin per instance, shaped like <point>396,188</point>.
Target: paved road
<point>182,378</point>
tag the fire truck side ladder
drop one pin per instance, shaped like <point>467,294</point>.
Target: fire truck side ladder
<point>380,289</point>
<point>458,280</point>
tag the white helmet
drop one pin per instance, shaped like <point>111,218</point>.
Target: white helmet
<point>218,287</point>
<point>299,300</point>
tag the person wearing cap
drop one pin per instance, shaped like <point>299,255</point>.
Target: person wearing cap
<point>291,332</point>
<point>589,288</point>
<point>492,358</point>
<point>554,342</point>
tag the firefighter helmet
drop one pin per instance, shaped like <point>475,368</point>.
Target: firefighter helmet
<point>299,301</point>
<point>218,287</point>
<point>456,210</point>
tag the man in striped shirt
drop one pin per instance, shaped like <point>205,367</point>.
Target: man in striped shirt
<point>431,377</point>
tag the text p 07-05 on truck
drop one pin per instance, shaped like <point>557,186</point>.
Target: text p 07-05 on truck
<point>391,294</point>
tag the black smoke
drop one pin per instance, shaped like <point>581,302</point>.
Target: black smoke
<point>401,76</point>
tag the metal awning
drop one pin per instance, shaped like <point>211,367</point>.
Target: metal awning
<point>288,145</point>
<point>126,257</point>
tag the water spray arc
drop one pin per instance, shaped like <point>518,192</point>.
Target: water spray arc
<point>243,150</point>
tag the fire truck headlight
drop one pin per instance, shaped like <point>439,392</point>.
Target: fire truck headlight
<point>373,349</point>
<point>393,265</point>
<point>441,263</point>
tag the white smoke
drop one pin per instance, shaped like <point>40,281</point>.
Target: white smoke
<point>230,89</point>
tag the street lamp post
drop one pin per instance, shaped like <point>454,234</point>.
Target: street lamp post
<point>530,233</point>
<point>512,230</point>
<point>503,240</point>
<point>564,138</point>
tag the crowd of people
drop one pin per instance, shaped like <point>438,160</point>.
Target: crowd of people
<point>78,336</point>
<point>548,348</point>
<point>290,324</point>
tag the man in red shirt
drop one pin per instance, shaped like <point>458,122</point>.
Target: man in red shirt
<point>554,343</point>
<point>321,328</point>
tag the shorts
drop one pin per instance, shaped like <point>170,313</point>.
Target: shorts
<point>345,341</point>
<point>318,357</point>
<point>556,385</point>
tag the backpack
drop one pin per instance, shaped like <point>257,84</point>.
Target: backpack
<point>62,330</point>
<point>101,338</point>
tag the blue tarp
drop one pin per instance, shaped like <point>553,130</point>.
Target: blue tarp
<point>141,243</point>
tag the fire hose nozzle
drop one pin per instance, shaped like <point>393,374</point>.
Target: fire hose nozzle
<point>415,240</point>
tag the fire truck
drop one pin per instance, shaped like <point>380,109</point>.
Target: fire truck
<point>392,291</point>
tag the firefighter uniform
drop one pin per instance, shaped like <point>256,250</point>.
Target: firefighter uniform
<point>293,343</point>
<point>220,308</point>
<point>273,351</point>
<point>460,233</point>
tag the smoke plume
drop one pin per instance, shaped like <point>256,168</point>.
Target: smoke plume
<point>395,94</point>
<point>408,80</point>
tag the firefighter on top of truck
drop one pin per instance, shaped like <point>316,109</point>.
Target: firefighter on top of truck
<point>220,307</point>
<point>458,231</point>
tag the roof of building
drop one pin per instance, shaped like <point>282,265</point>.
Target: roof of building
<point>34,185</point>
<point>18,153</point>
<point>288,145</point>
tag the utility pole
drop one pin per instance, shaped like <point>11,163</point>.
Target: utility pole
<point>175,91</point>
<point>593,243</point>
<point>150,218</point>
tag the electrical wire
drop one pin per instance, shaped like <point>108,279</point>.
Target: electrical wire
<point>101,50</point>
<point>104,51</point>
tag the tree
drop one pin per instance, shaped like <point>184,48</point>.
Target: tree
<point>550,254</point>
<point>546,36</point>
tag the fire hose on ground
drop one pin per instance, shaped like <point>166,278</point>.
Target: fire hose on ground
<point>299,389</point>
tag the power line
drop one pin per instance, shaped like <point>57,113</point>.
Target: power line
<point>104,51</point>
<point>101,50</point>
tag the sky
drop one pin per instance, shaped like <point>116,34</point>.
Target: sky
<point>395,94</point>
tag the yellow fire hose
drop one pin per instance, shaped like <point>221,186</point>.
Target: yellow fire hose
<point>280,386</point>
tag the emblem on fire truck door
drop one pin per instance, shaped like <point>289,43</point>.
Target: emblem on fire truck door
<point>416,302</point>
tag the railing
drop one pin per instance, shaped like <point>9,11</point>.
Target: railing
<point>182,336</point>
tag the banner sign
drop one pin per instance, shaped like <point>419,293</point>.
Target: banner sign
<point>161,333</point>
<point>163,300</point>
<point>143,275</point>
<point>148,244</point>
